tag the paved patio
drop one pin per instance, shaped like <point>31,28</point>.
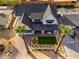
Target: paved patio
<point>44,55</point>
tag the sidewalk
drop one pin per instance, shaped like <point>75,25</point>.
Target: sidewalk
<point>71,47</point>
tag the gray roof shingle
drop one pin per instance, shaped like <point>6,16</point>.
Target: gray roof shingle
<point>37,15</point>
<point>71,19</point>
<point>39,27</point>
<point>37,12</point>
<point>74,18</point>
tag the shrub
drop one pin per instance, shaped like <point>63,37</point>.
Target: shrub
<point>59,6</point>
<point>69,6</point>
<point>10,2</point>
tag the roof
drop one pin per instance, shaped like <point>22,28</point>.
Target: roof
<point>47,13</point>
<point>64,0</point>
<point>37,15</point>
<point>5,11</point>
<point>3,19</point>
<point>37,12</point>
<point>19,9</point>
<point>46,1</point>
<point>71,19</point>
<point>39,27</point>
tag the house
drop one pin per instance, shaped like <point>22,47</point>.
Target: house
<point>64,2</point>
<point>5,17</point>
<point>58,2</point>
<point>70,19</point>
<point>40,21</point>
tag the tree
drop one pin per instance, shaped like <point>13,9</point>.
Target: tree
<point>21,30</point>
<point>10,2</point>
<point>2,2</point>
<point>65,29</point>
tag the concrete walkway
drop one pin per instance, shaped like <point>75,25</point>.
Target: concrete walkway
<point>71,47</point>
<point>19,52</point>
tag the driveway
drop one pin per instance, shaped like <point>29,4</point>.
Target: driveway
<point>19,52</point>
<point>71,47</point>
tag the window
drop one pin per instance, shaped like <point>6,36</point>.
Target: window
<point>2,15</point>
<point>73,1</point>
<point>49,21</point>
<point>33,0</point>
<point>59,15</point>
<point>37,20</point>
<point>29,31</point>
<point>37,32</point>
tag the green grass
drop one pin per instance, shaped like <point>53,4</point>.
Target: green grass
<point>47,40</point>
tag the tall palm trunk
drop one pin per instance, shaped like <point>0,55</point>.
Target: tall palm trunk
<point>25,41</point>
<point>60,41</point>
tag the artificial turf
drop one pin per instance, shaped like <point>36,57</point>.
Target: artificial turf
<point>47,40</point>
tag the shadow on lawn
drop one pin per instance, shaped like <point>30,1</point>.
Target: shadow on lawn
<point>72,44</point>
<point>58,54</point>
<point>14,53</point>
<point>50,54</point>
<point>31,54</point>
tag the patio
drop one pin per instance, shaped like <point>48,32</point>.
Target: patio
<point>43,43</point>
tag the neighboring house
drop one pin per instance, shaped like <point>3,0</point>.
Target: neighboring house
<point>19,13</point>
<point>71,44</point>
<point>63,2</point>
<point>59,2</point>
<point>5,17</point>
<point>70,19</point>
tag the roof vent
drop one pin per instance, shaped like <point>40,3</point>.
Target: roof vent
<point>49,21</point>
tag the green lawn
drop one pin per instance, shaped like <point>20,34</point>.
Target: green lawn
<point>47,40</point>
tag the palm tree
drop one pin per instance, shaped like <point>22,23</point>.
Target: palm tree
<point>65,29</point>
<point>21,30</point>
